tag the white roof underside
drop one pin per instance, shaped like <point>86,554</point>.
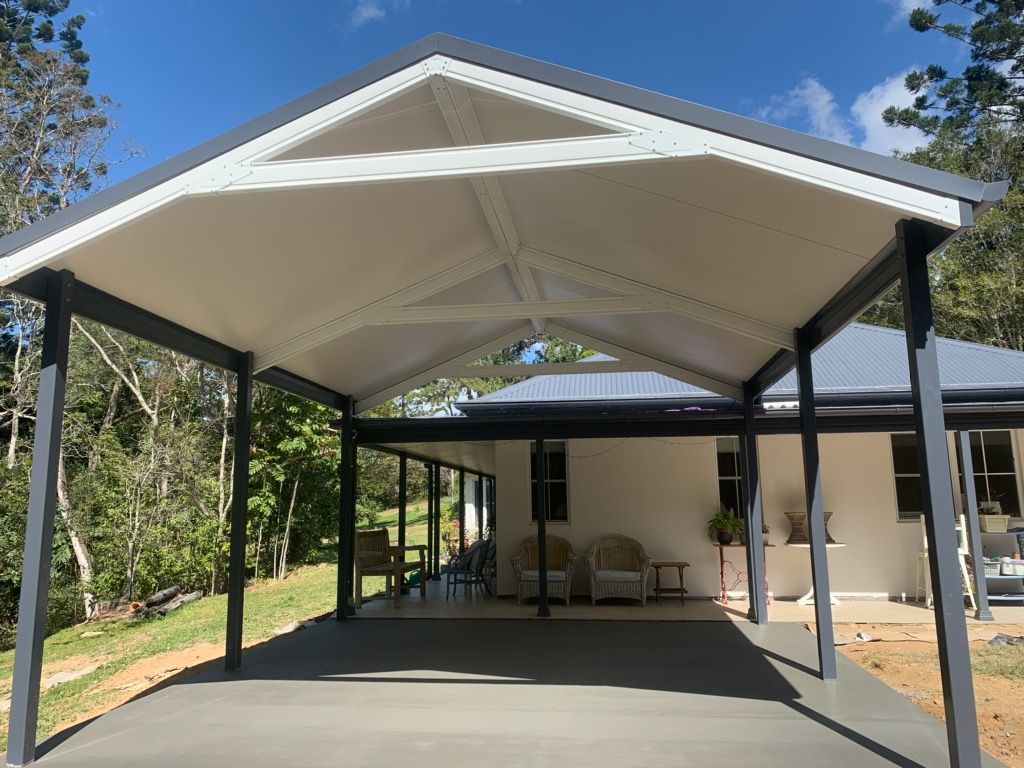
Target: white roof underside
<point>716,247</point>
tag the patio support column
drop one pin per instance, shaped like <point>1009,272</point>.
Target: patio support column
<point>346,512</point>
<point>430,521</point>
<point>479,507</point>
<point>403,476</point>
<point>239,512</point>
<point>815,510</point>
<point>937,498</point>
<point>758,611</point>
<point>966,462</point>
<point>437,521</point>
<point>462,510</point>
<point>42,506</point>
<point>541,505</point>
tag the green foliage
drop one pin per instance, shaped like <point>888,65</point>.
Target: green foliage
<point>989,90</point>
<point>725,520</point>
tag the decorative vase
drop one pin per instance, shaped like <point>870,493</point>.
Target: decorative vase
<point>724,537</point>
<point>798,528</point>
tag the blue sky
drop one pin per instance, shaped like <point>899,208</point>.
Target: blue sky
<point>186,70</point>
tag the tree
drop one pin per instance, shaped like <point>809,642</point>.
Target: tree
<point>976,124</point>
<point>988,91</point>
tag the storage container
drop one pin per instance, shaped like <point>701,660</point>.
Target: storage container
<point>991,569</point>
<point>1012,569</point>
<point>994,523</point>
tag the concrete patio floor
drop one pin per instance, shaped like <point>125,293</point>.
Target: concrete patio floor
<point>514,693</point>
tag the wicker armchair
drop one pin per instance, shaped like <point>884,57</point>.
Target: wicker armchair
<point>561,561</point>
<point>618,567</point>
<point>375,556</point>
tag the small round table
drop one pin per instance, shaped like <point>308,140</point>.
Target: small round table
<point>680,566</point>
<point>808,599</point>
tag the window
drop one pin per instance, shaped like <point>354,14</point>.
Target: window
<point>555,482</point>
<point>730,482</point>
<point>995,471</point>
<point>909,503</point>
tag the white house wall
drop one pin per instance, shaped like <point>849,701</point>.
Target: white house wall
<point>662,491</point>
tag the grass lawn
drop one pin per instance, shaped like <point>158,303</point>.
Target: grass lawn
<point>124,653</point>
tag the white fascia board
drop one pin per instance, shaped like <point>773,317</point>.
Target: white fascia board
<point>526,370</point>
<point>455,162</point>
<point>360,318</point>
<point>672,302</point>
<point>673,371</point>
<point>518,310</point>
<point>436,371</point>
<point>907,200</point>
<point>42,252</point>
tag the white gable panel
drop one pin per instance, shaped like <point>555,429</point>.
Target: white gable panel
<point>255,271</point>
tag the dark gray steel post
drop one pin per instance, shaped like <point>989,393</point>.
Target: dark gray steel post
<point>758,611</point>
<point>937,498</point>
<point>541,503</point>
<point>403,476</point>
<point>479,503</point>
<point>430,521</point>
<point>239,512</point>
<point>42,506</point>
<point>815,510</point>
<point>966,462</point>
<point>462,511</point>
<point>437,522</point>
<point>346,511</point>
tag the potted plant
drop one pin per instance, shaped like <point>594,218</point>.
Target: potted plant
<point>724,526</point>
<point>764,533</point>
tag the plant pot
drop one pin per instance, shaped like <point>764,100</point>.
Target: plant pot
<point>724,537</point>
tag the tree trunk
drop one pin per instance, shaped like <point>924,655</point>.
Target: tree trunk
<point>288,527</point>
<point>78,545</point>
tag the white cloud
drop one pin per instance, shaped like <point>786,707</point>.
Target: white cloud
<point>813,108</point>
<point>816,105</point>
<point>867,113</point>
<point>901,10</point>
<point>367,10</point>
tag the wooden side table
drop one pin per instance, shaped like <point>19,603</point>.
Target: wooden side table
<point>659,590</point>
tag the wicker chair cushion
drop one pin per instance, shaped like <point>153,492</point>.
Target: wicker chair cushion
<point>535,575</point>
<point>610,575</point>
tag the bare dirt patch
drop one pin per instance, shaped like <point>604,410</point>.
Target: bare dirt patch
<point>911,667</point>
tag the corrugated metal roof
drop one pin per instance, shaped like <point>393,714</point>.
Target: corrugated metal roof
<point>859,359</point>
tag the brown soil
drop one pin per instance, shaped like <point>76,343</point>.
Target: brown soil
<point>911,667</point>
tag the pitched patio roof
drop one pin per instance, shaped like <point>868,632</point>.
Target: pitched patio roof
<point>859,360</point>
<point>450,199</point>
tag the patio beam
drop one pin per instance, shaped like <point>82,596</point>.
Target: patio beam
<point>517,370</point>
<point>429,470</point>
<point>540,500</point>
<point>965,460</point>
<point>673,371</point>
<point>758,611</point>
<point>239,512</point>
<point>479,504</point>
<point>937,498</point>
<point>346,512</point>
<point>39,523</point>
<point>460,116</point>
<point>448,163</point>
<point>675,303</point>
<point>437,371</point>
<point>515,310</point>
<point>815,510</point>
<point>403,476</point>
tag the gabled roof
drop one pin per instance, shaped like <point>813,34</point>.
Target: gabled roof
<point>863,360</point>
<point>450,199</point>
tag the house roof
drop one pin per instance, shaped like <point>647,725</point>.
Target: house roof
<point>861,360</point>
<point>450,199</point>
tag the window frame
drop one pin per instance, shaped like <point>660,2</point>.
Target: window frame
<point>737,478</point>
<point>986,474</point>
<point>548,481</point>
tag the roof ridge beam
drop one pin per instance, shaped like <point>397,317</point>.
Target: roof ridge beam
<point>526,370</point>
<point>673,371</point>
<point>428,375</point>
<point>515,310</point>
<point>446,163</point>
<point>463,124</point>
<point>671,302</point>
<point>361,317</point>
